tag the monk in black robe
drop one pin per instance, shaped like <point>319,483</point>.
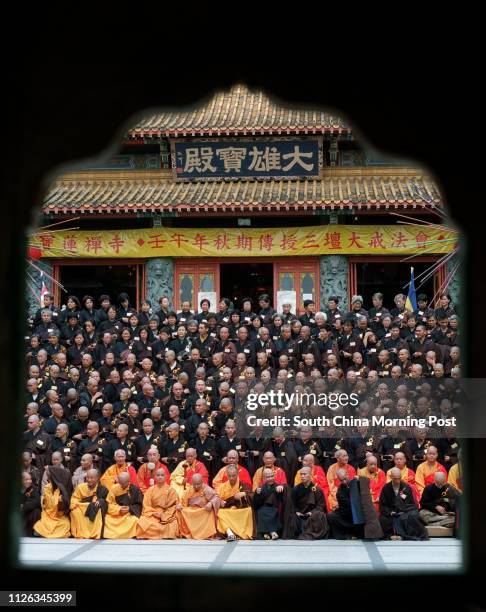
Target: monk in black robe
<point>273,506</point>
<point>30,504</point>
<point>399,516</point>
<point>284,452</point>
<point>355,516</point>
<point>310,509</point>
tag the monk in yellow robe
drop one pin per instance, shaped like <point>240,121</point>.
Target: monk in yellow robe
<point>124,509</point>
<point>146,472</point>
<point>408,475</point>
<point>376,477</point>
<point>235,515</point>
<point>269,461</point>
<point>110,477</point>
<point>333,481</point>
<point>455,476</point>
<point>54,521</point>
<point>426,471</point>
<point>222,475</point>
<point>181,477</point>
<point>318,477</point>
<point>197,510</point>
<point>159,514</point>
<point>88,507</point>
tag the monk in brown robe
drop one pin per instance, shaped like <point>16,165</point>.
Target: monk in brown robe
<point>197,510</point>
<point>159,516</point>
<point>235,515</point>
<point>124,508</point>
<point>88,507</point>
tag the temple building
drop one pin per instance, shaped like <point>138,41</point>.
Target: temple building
<point>238,197</point>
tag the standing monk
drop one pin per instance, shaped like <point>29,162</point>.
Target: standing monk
<point>124,507</point>
<point>88,507</point>
<point>54,521</point>
<point>235,515</point>
<point>182,476</point>
<point>197,510</point>
<point>159,516</point>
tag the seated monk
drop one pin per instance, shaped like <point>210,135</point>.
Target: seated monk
<point>88,507</point>
<point>124,508</point>
<point>181,477</point>
<point>235,515</point>
<point>399,517</point>
<point>54,521</point>
<point>222,476</point>
<point>318,476</point>
<point>376,477</point>
<point>333,481</point>
<point>197,510</point>
<point>79,475</point>
<point>439,502</point>
<point>273,507</point>
<point>426,471</point>
<point>455,476</point>
<point>269,461</point>
<point>110,477</point>
<point>408,475</point>
<point>146,472</point>
<point>159,516</point>
<point>309,507</point>
<point>30,505</point>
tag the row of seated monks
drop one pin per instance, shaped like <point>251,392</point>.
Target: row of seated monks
<point>153,503</point>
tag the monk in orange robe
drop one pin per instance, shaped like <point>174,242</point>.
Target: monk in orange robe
<point>110,476</point>
<point>235,515</point>
<point>376,477</point>
<point>318,477</point>
<point>159,512</point>
<point>408,475</point>
<point>278,473</point>
<point>182,476</point>
<point>222,475</point>
<point>146,472</point>
<point>426,471</point>
<point>333,481</point>
<point>197,510</point>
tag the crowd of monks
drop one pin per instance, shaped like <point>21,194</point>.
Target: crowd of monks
<point>131,422</point>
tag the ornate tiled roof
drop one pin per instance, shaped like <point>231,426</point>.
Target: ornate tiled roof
<point>238,111</point>
<point>151,191</point>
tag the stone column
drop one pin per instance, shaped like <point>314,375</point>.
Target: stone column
<point>159,275</point>
<point>334,279</point>
<point>35,284</point>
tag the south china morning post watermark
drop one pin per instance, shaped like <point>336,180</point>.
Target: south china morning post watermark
<point>259,404</point>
